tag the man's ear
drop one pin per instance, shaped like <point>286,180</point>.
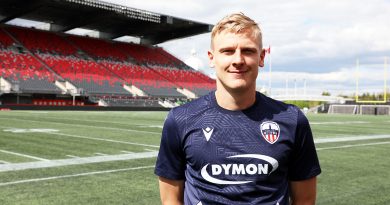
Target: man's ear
<point>211,58</point>
<point>262,57</point>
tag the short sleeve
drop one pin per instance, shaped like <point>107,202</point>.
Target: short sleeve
<point>304,162</point>
<point>170,162</point>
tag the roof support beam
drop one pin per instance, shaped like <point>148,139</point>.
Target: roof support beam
<point>56,27</point>
<point>105,35</point>
<point>111,20</point>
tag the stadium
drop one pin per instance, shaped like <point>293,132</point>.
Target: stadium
<point>81,116</point>
<point>51,68</point>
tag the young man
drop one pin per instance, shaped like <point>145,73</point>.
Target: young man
<point>237,146</point>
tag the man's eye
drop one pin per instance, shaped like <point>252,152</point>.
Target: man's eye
<point>227,51</point>
<point>249,51</point>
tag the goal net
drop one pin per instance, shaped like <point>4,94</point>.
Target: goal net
<point>374,109</point>
<point>343,109</point>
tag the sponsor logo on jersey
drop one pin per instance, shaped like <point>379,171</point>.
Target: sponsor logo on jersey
<point>208,132</point>
<point>270,131</point>
<point>217,171</point>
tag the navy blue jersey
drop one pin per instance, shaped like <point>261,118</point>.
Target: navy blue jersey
<point>237,157</point>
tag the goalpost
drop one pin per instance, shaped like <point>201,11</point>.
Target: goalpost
<point>365,107</point>
<point>384,100</point>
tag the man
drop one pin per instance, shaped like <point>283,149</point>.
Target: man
<point>237,146</point>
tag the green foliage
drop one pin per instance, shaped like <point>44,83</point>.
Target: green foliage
<point>373,96</point>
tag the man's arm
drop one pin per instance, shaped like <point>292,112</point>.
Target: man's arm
<point>171,191</point>
<point>304,192</point>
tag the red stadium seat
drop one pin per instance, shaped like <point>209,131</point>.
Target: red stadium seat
<point>43,41</point>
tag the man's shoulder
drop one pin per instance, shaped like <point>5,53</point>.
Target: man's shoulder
<point>276,105</point>
<point>192,108</point>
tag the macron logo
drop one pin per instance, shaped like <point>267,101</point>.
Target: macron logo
<point>208,132</point>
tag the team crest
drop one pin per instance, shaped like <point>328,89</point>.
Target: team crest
<point>270,131</point>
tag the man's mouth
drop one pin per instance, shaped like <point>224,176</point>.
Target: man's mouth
<point>237,71</point>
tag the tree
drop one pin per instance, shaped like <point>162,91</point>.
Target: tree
<point>325,93</point>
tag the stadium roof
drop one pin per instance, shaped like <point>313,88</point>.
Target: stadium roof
<point>111,20</point>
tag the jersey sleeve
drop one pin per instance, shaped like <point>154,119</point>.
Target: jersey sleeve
<point>170,162</point>
<point>304,163</point>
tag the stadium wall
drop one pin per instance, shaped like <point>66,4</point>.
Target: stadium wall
<point>81,108</point>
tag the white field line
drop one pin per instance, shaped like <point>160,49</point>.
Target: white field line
<point>3,162</point>
<point>143,167</point>
<point>127,152</point>
<point>151,150</point>
<point>77,125</point>
<point>348,139</point>
<point>100,154</point>
<point>151,126</point>
<point>101,121</point>
<point>72,161</point>
<point>354,145</point>
<point>23,155</point>
<point>74,175</point>
<point>75,161</point>
<point>37,112</point>
<point>101,139</point>
<point>72,156</point>
<point>110,122</point>
<point>94,138</point>
<point>339,122</point>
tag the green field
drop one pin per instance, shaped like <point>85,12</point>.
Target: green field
<point>66,157</point>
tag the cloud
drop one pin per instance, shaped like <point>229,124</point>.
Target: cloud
<point>371,78</point>
<point>316,40</point>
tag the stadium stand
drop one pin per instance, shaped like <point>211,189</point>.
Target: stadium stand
<point>85,74</point>
<point>178,63</point>
<point>143,77</point>
<point>103,71</point>
<point>191,80</point>
<point>64,68</point>
<point>146,55</point>
<point>98,48</point>
<point>5,40</point>
<point>26,73</point>
<point>38,41</point>
<point>63,54</point>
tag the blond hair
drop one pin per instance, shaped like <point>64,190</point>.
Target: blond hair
<point>237,23</point>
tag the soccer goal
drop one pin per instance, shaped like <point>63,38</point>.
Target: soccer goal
<point>343,109</point>
<point>374,110</point>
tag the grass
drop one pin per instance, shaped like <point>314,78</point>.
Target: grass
<point>354,174</point>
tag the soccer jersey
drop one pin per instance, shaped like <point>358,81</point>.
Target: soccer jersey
<point>237,157</point>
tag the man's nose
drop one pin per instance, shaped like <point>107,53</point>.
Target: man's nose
<point>238,58</point>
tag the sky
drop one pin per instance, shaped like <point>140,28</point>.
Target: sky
<point>314,43</point>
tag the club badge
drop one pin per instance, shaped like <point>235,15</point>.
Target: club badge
<point>270,131</point>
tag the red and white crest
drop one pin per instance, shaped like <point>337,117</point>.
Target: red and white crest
<point>270,131</point>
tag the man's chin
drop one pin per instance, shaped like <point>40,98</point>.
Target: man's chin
<point>238,88</point>
<point>236,85</point>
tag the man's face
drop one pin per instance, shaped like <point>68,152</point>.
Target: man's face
<point>236,58</point>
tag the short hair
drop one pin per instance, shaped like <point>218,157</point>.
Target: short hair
<point>237,23</point>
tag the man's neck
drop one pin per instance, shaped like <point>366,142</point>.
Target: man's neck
<point>235,100</point>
